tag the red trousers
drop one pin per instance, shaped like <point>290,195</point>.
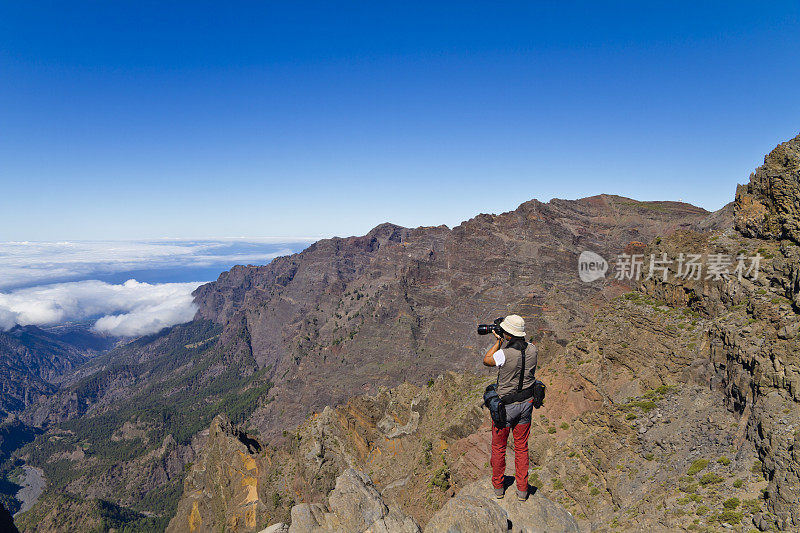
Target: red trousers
<point>499,442</point>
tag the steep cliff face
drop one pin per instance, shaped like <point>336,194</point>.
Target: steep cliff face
<point>400,437</point>
<point>221,490</point>
<point>768,207</point>
<point>751,338</point>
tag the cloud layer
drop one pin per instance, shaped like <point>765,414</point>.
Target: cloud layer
<point>128,309</point>
<point>35,263</point>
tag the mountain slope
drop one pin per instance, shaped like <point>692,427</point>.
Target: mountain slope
<point>33,361</point>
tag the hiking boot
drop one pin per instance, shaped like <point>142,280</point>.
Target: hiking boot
<point>499,493</point>
<point>522,495</point>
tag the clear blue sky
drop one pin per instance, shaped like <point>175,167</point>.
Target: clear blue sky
<point>124,120</point>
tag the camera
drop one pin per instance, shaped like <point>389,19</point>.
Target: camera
<point>485,329</point>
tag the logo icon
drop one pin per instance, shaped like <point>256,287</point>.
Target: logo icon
<point>591,266</point>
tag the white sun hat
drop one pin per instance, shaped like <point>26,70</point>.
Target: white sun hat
<point>513,325</point>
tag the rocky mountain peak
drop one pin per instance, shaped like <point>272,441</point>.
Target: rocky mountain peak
<point>768,207</point>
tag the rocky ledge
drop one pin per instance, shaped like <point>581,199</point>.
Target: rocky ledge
<point>356,505</point>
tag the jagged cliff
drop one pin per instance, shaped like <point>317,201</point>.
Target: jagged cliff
<point>752,339</point>
<point>315,481</point>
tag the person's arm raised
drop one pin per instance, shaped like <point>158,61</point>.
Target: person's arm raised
<point>488,359</point>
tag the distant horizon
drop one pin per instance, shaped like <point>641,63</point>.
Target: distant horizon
<point>310,239</point>
<point>126,288</point>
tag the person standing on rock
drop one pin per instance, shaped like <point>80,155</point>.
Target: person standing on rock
<point>516,367</point>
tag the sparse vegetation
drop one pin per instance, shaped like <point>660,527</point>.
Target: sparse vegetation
<point>697,466</point>
<point>427,455</point>
<point>731,503</point>
<point>728,516</point>
<point>751,506</point>
<point>711,478</point>
<point>441,477</point>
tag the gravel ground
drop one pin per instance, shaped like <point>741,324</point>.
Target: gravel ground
<point>32,487</point>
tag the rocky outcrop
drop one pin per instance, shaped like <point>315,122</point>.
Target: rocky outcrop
<point>750,340</point>
<point>401,436</point>
<point>221,492</point>
<point>353,506</point>
<point>751,337</point>
<point>768,207</point>
<point>476,510</point>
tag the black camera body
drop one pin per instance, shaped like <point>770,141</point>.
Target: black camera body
<point>485,329</point>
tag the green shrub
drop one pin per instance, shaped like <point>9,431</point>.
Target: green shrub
<point>664,389</point>
<point>441,478</point>
<point>697,466</point>
<point>427,449</point>
<point>766,254</point>
<point>702,510</point>
<point>644,405</point>
<point>724,461</point>
<point>738,483</point>
<point>730,516</point>
<point>710,478</point>
<point>731,503</point>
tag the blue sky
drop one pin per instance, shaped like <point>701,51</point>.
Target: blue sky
<point>142,120</point>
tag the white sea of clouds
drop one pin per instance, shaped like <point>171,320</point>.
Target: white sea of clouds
<point>25,263</point>
<point>125,288</point>
<point>128,309</point>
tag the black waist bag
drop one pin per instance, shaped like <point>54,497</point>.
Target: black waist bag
<point>495,405</point>
<point>539,389</point>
